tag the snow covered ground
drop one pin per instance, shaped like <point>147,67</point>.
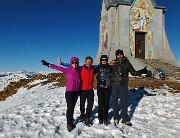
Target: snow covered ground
<point>7,77</point>
<point>40,112</point>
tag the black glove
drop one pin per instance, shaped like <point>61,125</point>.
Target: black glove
<point>45,63</point>
<point>144,70</point>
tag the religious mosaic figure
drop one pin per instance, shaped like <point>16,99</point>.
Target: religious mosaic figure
<point>104,34</point>
<point>141,22</point>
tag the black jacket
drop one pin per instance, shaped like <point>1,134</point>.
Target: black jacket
<point>103,76</point>
<point>120,72</point>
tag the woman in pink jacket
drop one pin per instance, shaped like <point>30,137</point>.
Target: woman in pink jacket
<point>72,87</point>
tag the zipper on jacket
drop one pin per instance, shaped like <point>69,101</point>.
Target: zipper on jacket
<point>88,78</point>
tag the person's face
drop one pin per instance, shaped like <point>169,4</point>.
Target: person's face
<point>75,64</point>
<point>120,57</point>
<point>104,61</point>
<point>88,62</point>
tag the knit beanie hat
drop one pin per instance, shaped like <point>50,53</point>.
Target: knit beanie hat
<point>73,59</point>
<point>104,56</point>
<point>119,52</point>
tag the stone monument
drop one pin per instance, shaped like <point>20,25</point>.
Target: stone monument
<point>135,26</point>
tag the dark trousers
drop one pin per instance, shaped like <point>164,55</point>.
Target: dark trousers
<point>103,102</point>
<point>89,96</point>
<point>122,93</point>
<point>71,99</point>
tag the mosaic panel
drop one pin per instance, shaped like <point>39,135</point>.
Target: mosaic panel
<point>141,20</point>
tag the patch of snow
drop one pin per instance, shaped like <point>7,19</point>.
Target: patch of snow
<point>37,81</point>
<point>41,112</point>
<point>7,77</point>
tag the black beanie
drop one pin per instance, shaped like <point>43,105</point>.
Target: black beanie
<point>119,52</point>
<point>104,56</point>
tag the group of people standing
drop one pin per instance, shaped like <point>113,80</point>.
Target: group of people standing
<point>112,79</point>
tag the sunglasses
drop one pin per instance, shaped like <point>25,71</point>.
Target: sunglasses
<point>74,62</point>
<point>103,59</point>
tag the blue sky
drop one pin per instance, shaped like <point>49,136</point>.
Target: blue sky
<point>32,30</point>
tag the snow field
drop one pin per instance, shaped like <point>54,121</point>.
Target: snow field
<point>41,112</point>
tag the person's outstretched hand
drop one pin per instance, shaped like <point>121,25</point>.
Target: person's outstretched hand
<point>59,60</point>
<point>45,63</point>
<point>144,70</point>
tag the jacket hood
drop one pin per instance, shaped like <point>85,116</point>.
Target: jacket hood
<point>73,59</point>
<point>103,56</point>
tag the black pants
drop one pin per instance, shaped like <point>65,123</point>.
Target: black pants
<point>89,96</point>
<point>71,99</point>
<point>103,102</point>
<point>122,93</point>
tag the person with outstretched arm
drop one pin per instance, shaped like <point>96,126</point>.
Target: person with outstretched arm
<point>121,67</point>
<point>86,88</point>
<point>72,87</point>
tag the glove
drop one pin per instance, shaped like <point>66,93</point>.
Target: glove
<point>144,70</point>
<point>45,63</point>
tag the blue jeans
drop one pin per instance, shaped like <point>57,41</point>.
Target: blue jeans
<point>122,93</point>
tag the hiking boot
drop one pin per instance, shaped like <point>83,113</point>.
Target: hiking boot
<point>116,121</point>
<point>100,121</point>
<point>86,121</point>
<point>82,118</point>
<point>70,127</point>
<point>106,122</point>
<point>127,123</point>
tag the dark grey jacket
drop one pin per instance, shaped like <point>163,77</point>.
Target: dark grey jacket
<point>103,76</point>
<point>120,72</point>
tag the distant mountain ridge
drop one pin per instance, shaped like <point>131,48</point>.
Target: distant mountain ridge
<point>7,77</point>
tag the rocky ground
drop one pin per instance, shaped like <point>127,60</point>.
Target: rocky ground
<point>172,71</point>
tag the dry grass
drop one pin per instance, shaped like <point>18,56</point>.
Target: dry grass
<point>155,83</point>
<point>59,79</point>
<point>12,88</point>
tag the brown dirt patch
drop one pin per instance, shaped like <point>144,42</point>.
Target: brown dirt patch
<point>12,88</point>
<point>60,81</point>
